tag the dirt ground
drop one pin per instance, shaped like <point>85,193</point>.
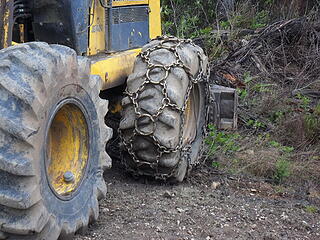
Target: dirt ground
<point>209,205</point>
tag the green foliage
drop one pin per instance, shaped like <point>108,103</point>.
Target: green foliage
<point>304,102</point>
<point>283,165</point>
<point>246,17</point>
<point>205,31</point>
<point>241,21</point>
<point>277,116</point>
<point>317,110</point>
<point>255,124</point>
<point>263,87</point>
<point>279,189</point>
<point>311,209</point>
<point>187,18</point>
<point>275,144</point>
<point>247,78</point>
<point>216,50</point>
<point>312,122</point>
<point>225,25</point>
<point>287,149</point>
<point>282,170</point>
<point>260,20</point>
<point>269,2</point>
<point>242,93</point>
<point>215,164</point>
<point>283,149</point>
<point>221,141</point>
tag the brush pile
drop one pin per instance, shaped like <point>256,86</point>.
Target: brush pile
<point>277,72</point>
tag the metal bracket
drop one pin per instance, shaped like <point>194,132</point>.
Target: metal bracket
<point>223,107</point>
<point>107,5</point>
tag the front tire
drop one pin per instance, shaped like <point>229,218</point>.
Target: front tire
<point>51,123</point>
<point>164,111</point>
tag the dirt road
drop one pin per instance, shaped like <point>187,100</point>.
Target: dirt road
<point>207,206</point>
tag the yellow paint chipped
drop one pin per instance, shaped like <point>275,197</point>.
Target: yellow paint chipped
<point>97,39</point>
<point>116,67</point>
<point>67,149</point>
<point>6,24</point>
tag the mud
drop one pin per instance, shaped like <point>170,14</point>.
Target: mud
<point>209,205</point>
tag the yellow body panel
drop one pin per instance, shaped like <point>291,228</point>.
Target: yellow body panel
<point>97,39</point>
<point>155,19</point>
<point>114,68</point>
<point>67,149</point>
<point>119,3</point>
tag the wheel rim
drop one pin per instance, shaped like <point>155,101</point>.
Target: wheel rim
<point>67,149</point>
<point>191,116</point>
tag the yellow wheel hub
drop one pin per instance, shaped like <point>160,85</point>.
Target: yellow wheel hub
<point>67,149</point>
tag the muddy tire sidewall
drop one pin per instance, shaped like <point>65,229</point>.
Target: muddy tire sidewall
<point>71,208</point>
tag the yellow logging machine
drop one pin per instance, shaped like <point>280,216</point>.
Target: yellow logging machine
<point>68,67</point>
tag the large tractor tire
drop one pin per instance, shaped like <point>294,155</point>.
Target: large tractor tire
<point>164,111</point>
<point>52,141</point>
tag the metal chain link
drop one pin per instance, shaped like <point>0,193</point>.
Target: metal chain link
<point>171,44</point>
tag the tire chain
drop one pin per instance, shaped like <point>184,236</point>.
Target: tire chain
<point>202,76</point>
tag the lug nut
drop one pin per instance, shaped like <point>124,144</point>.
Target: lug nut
<point>68,177</point>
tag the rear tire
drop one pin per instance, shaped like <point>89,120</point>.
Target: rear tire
<point>160,137</point>
<point>38,84</point>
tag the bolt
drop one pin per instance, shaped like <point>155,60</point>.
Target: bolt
<point>68,177</point>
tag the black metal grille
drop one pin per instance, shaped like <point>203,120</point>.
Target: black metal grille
<point>130,14</point>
